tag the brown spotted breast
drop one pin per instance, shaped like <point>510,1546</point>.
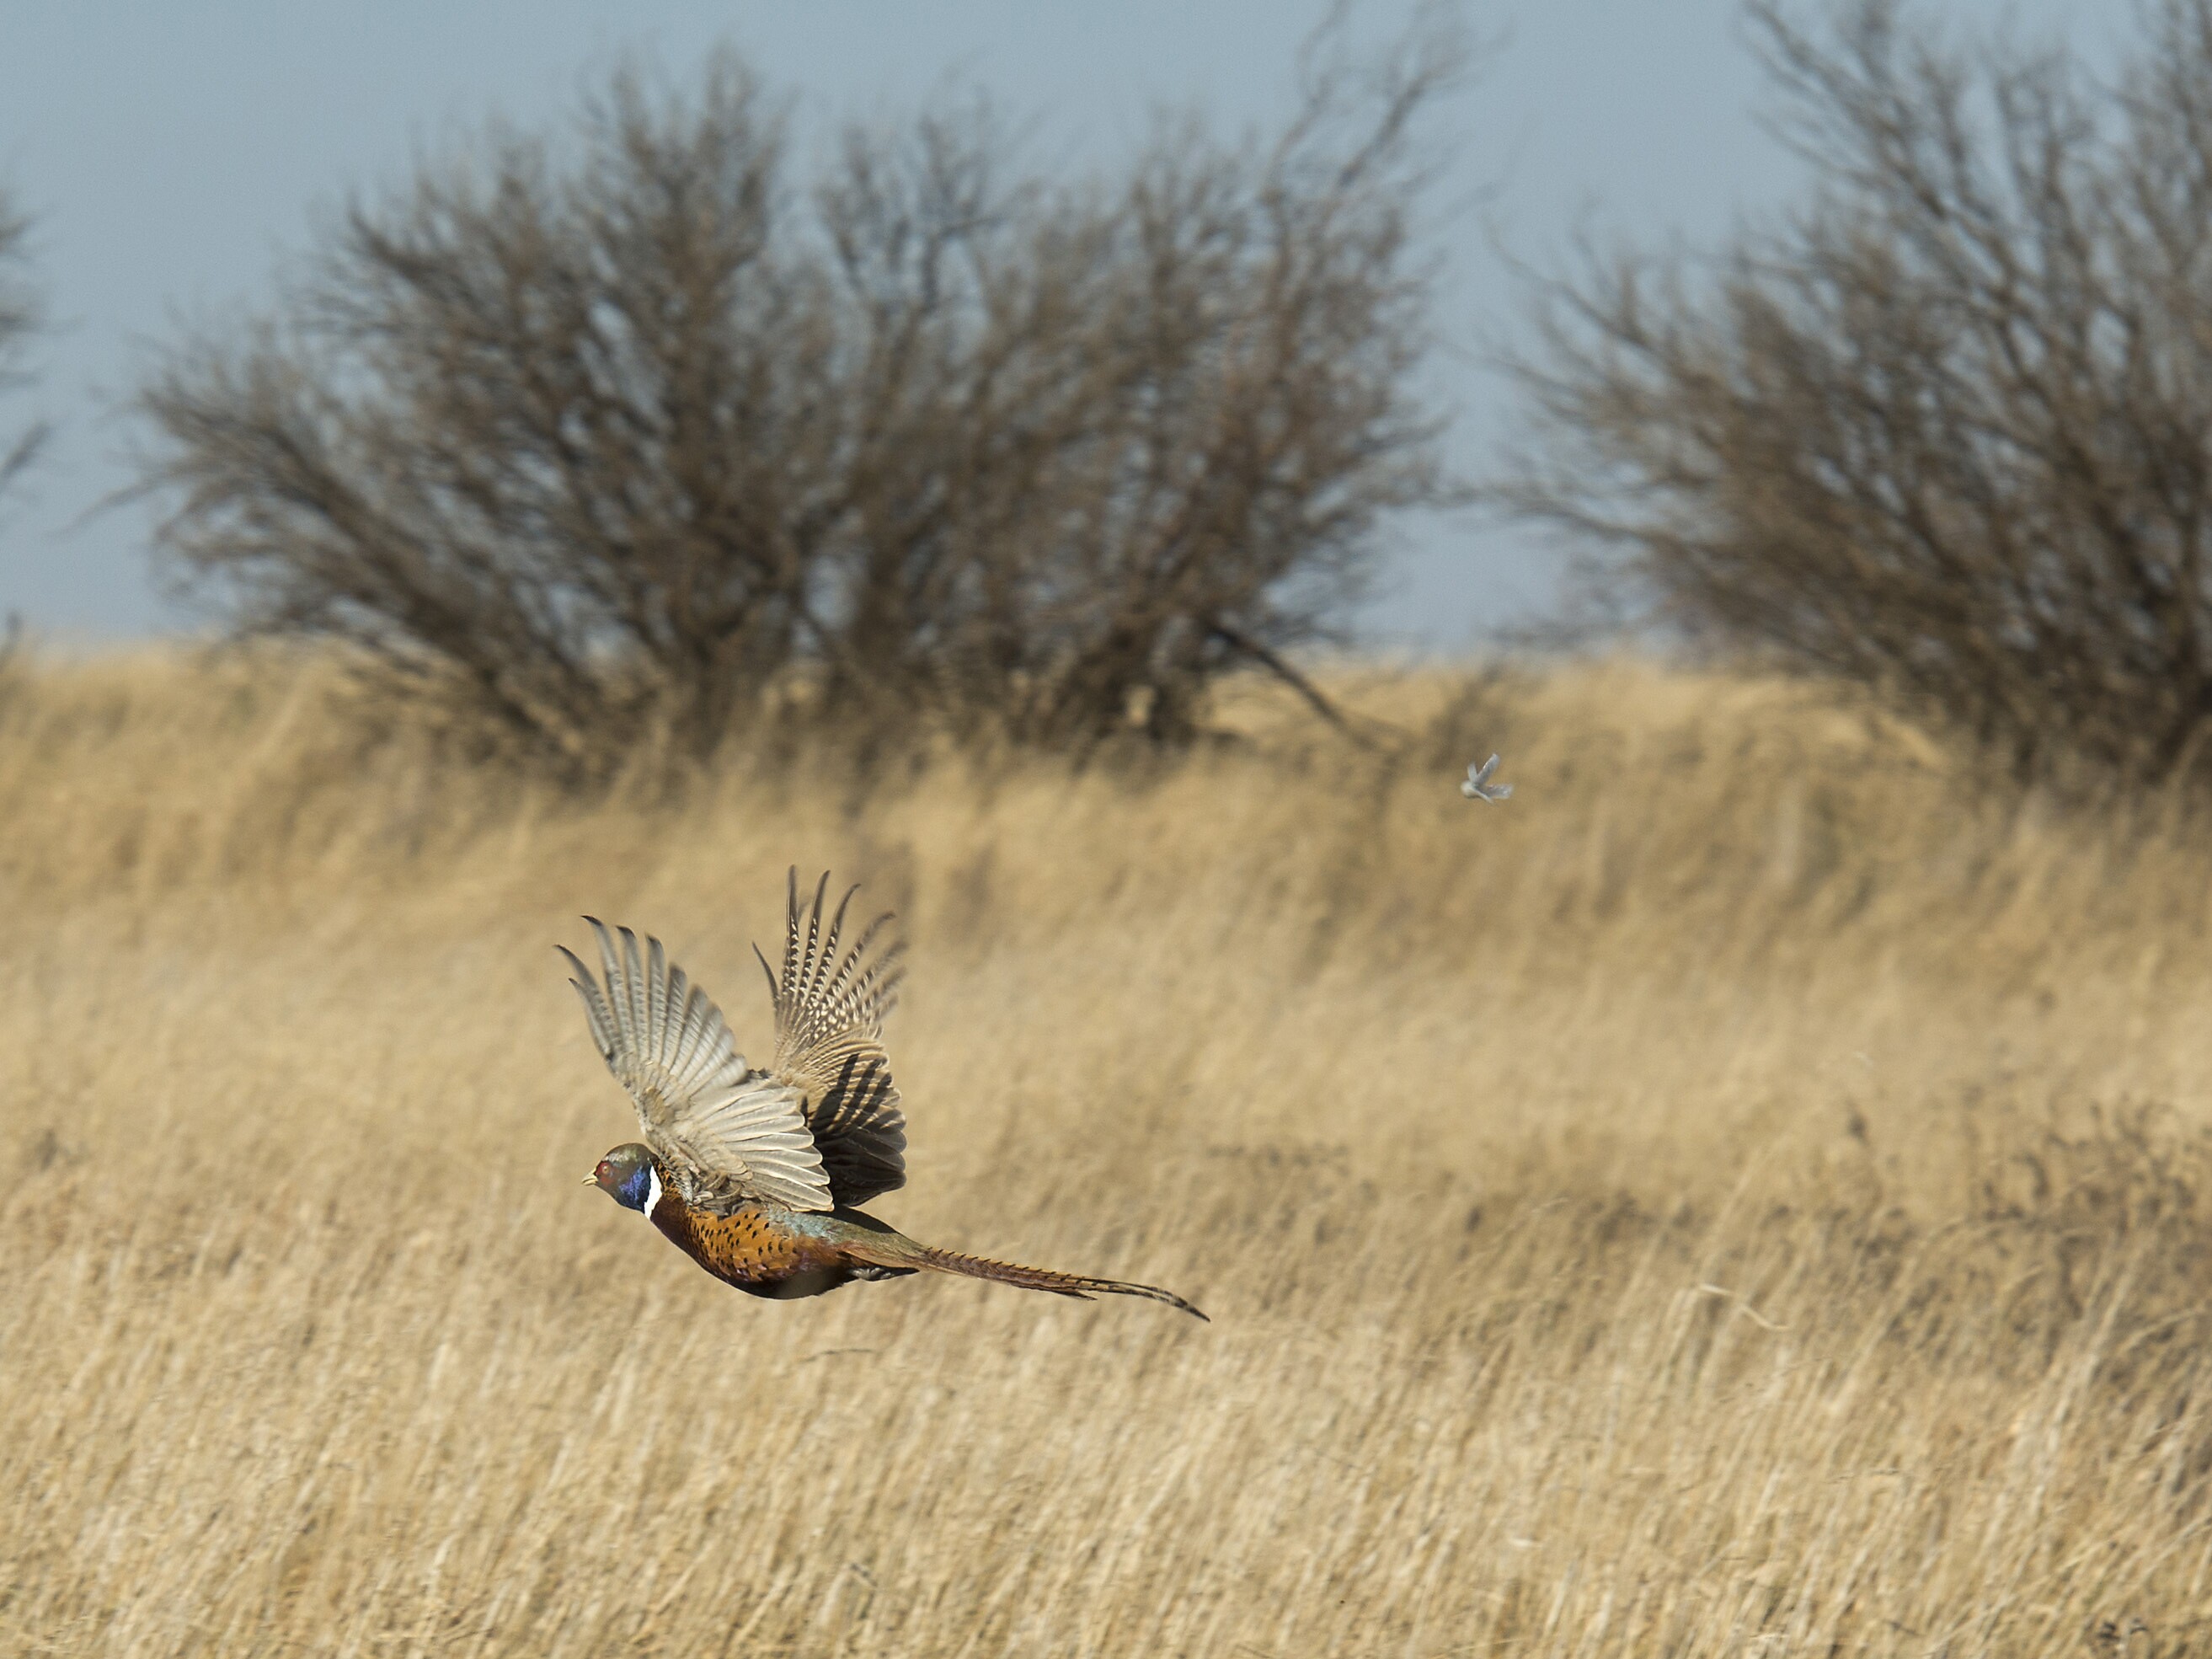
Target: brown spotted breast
<point>753,1248</point>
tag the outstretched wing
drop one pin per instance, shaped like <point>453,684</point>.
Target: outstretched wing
<point>830,1009</point>
<point>729,1134</point>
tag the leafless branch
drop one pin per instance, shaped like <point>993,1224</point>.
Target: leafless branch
<point>20,319</point>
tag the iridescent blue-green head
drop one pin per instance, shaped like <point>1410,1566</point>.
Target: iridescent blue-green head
<point>630,1176</point>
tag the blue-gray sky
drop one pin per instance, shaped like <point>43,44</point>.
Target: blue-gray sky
<point>173,154</point>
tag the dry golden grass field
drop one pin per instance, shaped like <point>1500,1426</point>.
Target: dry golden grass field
<point>1749,1194</point>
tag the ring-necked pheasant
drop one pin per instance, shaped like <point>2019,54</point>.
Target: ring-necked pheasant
<point>756,1175</point>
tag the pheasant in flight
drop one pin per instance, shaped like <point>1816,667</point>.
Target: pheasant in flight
<point>756,1175</point>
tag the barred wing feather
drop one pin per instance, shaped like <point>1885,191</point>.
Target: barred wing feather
<point>729,1134</point>
<point>830,1001</point>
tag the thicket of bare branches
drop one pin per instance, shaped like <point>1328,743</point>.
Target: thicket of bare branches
<point>609,434</point>
<point>1945,429</point>
<point>19,319</point>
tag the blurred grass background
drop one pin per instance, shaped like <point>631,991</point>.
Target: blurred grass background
<point>1748,1193</point>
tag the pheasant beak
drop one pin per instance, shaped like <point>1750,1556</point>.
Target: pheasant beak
<point>591,1181</point>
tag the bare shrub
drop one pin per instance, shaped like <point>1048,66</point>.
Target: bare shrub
<point>1191,418</point>
<point>537,433</point>
<point>602,436</point>
<point>1941,429</point>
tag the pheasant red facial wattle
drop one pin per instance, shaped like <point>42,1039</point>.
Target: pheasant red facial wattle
<point>757,1174</point>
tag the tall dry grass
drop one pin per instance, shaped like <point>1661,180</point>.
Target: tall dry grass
<point>1746,1195</point>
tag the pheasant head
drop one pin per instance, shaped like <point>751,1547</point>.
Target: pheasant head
<point>630,1176</point>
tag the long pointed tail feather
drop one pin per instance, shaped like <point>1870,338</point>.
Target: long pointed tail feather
<point>1044,1279</point>
<point>887,1248</point>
